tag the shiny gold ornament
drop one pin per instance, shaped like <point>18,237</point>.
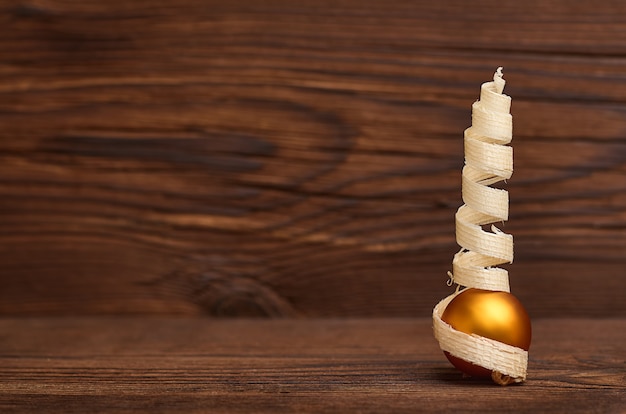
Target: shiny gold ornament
<point>490,314</point>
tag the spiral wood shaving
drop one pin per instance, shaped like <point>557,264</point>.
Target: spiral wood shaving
<point>488,160</point>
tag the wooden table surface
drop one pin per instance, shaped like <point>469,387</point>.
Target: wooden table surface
<point>120,365</point>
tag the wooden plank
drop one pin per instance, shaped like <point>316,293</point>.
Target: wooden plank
<point>271,158</point>
<point>200,365</point>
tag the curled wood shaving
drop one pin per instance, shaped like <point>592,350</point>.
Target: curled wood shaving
<point>488,160</point>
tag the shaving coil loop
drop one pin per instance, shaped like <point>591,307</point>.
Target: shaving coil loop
<point>488,160</point>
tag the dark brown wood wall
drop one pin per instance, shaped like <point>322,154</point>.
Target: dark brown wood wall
<point>300,158</point>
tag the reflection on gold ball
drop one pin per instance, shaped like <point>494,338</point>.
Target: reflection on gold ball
<point>494,315</point>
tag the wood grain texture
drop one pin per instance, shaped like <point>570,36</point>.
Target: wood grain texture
<point>120,365</point>
<point>300,159</point>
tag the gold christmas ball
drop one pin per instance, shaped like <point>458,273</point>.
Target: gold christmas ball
<point>494,315</point>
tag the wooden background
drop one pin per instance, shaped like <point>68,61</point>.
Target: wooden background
<point>300,158</point>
